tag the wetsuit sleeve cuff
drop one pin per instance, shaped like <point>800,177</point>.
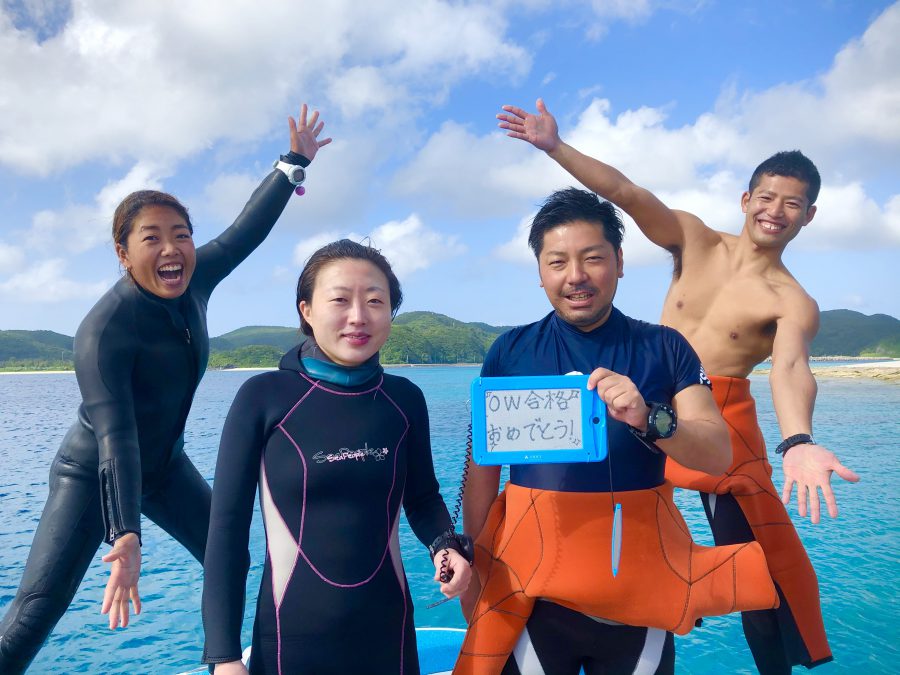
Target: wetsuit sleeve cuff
<point>461,543</point>
<point>295,158</point>
<point>124,532</point>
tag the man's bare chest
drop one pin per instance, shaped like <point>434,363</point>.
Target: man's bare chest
<point>730,322</point>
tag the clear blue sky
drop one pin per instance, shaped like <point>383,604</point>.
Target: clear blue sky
<point>101,98</point>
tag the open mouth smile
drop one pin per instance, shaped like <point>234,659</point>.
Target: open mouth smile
<point>171,274</point>
<point>768,226</point>
<point>580,298</point>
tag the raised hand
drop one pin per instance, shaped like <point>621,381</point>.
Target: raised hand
<point>810,466</point>
<point>125,569</point>
<point>540,130</point>
<point>305,135</point>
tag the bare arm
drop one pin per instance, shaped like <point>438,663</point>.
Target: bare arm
<point>794,389</point>
<point>663,226</point>
<point>482,484</point>
<point>701,439</point>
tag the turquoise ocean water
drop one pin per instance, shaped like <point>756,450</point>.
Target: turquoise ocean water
<point>855,556</point>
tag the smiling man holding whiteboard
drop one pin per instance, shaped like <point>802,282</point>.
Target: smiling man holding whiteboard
<point>549,597</point>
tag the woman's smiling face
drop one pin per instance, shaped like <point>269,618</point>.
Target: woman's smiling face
<point>159,252</point>
<point>350,310</point>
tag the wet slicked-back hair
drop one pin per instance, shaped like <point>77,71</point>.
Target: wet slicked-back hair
<point>571,204</point>
<point>793,164</point>
<point>343,249</point>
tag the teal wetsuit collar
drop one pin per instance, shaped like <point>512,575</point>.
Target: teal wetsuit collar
<point>342,375</point>
<point>320,368</point>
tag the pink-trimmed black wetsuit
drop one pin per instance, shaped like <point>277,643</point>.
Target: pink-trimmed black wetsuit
<point>332,463</point>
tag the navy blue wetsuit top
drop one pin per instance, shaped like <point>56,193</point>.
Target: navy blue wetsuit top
<point>139,359</point>
<point>657,359</point>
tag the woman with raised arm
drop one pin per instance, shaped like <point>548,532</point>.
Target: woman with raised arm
<point>336,446</point>
<point>139,355</point>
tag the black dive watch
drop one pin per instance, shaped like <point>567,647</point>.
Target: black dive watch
<point>661,422</point>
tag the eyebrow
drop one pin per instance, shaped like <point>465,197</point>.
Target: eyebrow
<point>772,193</point>
<point>179,226</point>
<point>347,289</point>
<point>601,248</point>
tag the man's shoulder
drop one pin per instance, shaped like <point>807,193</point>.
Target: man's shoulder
<point>526,330</point>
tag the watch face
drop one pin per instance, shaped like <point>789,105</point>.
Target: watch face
<point>298,175</point>
<point>662,421</point>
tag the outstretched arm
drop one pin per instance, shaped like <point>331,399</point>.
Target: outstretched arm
<point>219,257</point>
<point>663,226</point>
<point>808,465</point>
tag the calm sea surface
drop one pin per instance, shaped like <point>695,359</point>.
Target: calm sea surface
<point>856,556</point>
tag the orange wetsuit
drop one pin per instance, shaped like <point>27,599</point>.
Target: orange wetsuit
<point>556,546</point>
<point>799,627</point>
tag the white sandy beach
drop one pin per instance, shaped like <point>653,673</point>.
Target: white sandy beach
<point>889,371</point>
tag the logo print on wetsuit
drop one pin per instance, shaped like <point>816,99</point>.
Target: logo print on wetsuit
<point>359,455</point>
<point>703,378</point>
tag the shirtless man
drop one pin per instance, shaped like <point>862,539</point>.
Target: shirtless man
<point>736,303</point>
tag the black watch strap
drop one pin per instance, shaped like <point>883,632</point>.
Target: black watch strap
<point>295,158</point>
<point>791,441</point>
<point>461,543</point>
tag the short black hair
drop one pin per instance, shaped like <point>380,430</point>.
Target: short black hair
<point>793,164</point>
<point>344,249</point>
<point>571,204</point>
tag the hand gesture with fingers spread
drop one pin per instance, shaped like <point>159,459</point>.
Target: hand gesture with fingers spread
<point>123,580</point>
<point>305,135</point>
<point>540,130</point>
<point>622,398</point>
<point>810,466</point>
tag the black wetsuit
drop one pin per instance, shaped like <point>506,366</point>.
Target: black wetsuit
<point>333,462</point>
<point>661,363</point>
<point>138,359</point>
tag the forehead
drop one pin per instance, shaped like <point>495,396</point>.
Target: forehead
<point>350,273</point>
<point>159,216</point>
<point>574,236</point>
<point>785,186</point>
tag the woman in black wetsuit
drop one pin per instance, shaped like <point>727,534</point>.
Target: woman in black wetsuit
<point>139,356</point>
<point>335,446</point>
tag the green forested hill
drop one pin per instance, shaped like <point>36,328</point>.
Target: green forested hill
<point>843,331</point>
<point>275,336</point>
<point>426,337</point>
<point>35,349</point>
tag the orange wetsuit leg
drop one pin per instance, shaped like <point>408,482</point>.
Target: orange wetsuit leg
<point>749,481</point>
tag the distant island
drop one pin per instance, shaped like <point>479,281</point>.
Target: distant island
<point>426,338</point>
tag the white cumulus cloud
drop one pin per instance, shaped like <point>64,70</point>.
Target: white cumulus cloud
<point>407,244</point>
<point>81,227</point>
<point>46,282</point>
<point>163,80</point>
<point>847,120</point>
